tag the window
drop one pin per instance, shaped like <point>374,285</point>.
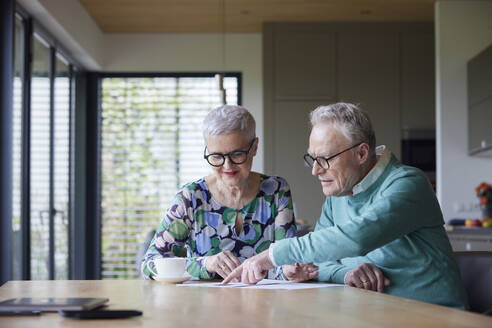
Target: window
<point>16,149</point>
<point>40,160</point>
<point>41,155</point>
<point>151,146</point>
<point>61,166</point>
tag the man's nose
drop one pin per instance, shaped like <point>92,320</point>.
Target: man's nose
<point>316,168</point>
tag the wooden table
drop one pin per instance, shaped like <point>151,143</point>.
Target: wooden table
<point>177,307</point>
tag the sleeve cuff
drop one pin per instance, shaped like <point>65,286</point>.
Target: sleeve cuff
<point>339,276</point>
<point>204,267</point>
<point>270,255</point>
<point>344,276</point>
<point>335,275</point>
<point>204,262</point>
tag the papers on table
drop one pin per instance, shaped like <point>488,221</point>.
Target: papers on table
<point>264,284</point>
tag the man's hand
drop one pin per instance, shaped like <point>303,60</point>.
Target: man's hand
<point>367,276</point>
<point>222,263</point>
<point>252,270</point>
<point>300,272</point>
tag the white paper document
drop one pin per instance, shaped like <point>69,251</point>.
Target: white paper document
<point>264,284</point>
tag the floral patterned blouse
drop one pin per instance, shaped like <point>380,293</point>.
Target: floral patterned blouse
<point>195,220</point>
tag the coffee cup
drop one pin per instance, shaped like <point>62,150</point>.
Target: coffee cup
<point>168,267</point>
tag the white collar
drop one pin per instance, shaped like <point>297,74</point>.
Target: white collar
<point>383,157</point>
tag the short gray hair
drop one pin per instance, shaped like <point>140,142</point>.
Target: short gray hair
<point>228,119</point>
<point>352,121</point>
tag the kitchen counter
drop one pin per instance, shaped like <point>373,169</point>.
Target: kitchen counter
<point>468,230</point>
<point>470,239</point>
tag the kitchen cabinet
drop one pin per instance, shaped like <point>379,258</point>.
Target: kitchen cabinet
<point>471,239</point>
<point>480,104</point>
<point>387,68</point>
<point>309,73</point>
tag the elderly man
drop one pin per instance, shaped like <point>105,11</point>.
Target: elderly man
<point>381,227</point>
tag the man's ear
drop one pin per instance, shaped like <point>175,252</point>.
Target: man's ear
<point>255,146</point>
<point>363,153</point>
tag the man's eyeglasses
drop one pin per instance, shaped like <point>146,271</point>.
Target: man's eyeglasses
<point>236,156</point>
<point>324,161</point>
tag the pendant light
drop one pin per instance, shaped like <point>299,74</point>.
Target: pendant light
<point>221,75</point>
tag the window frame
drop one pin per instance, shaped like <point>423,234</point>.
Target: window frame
<point>7,32</point>
<point>84,234</point>
<point>31,27</point>
<point>94,165</point>
<point>235,74</point>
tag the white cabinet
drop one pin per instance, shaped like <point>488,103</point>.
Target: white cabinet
<point>471,239</point>
<point>387,68</point>
<point>480,104</point>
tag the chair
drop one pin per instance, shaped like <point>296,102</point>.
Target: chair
<point>303,227</point>
<point>476,272</point>
<point>143,249</point>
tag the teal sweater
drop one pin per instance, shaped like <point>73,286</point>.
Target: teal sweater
<point>394,222</point>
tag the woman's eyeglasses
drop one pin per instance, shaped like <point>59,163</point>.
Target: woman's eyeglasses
<point>236,156</point>
<point>324,161</point>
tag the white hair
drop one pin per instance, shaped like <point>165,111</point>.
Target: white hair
<point>352,121</point>
<point>228,119</point>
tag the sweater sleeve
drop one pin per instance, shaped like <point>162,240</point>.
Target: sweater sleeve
<point>285,226</point>
<point>404,204</point>
<point>331,271</point>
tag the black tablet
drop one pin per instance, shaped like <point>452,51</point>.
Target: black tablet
<point>51,304</point>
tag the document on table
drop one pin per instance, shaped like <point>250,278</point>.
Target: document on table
<point>264,284</point>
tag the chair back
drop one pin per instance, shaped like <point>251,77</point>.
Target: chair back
<point>143,249</point>
<point>476,272</point>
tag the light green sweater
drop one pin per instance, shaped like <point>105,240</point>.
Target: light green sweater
<point>393,221</point>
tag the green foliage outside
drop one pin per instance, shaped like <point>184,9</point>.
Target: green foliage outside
<point>144,123</point>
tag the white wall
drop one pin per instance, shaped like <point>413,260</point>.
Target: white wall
<point>463,29</point>
<point>195,53</point>
<point>72,26</point>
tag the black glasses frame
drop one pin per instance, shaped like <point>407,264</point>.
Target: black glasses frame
<point>309,160</point>
<point>245,152</point>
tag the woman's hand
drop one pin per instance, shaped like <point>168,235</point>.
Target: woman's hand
<point>300,272</point>
<point>367,276</point>
<point>222,263</point>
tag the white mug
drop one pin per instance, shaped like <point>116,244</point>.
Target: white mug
<point>168,267</point>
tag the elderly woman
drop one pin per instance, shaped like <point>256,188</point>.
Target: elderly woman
<point>231,214</point>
